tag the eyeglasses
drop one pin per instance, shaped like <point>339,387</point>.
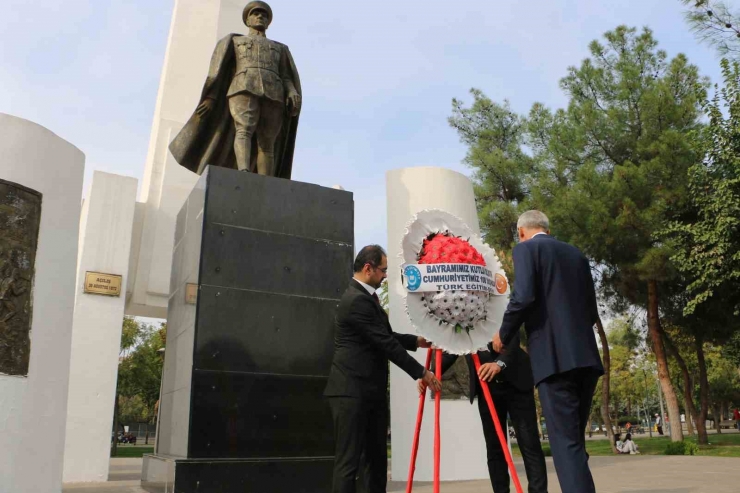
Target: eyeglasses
<point>384,270</point>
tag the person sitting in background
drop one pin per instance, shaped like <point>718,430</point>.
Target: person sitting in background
<point>629,447</point>
<point>618,443</point>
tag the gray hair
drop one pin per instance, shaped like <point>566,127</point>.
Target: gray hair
<point>533,220</point>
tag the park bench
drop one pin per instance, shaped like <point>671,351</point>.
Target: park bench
<point>727,423</point>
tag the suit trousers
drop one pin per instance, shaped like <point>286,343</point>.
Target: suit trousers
<point>566,403</point>
<point>521,407</point>
<point>360,438</point>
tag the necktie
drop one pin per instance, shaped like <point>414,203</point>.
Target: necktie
<point>375,297</point>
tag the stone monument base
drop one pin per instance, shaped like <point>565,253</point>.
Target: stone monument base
<point>259,266</point>
<point>168,475</point>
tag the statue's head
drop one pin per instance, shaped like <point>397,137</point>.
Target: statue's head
<point>257,15</point>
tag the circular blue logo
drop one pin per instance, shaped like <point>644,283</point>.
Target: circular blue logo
<point>413,277</point>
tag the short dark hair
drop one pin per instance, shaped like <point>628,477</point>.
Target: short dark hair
<point>371,254</point>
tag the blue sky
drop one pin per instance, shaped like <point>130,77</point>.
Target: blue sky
<point>377,82</point>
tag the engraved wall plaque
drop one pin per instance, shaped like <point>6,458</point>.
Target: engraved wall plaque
<point>191,293</point>
<point>20,216</point>
<point>105,284</point>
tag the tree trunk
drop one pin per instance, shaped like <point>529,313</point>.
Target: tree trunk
<point>605,381</point>
<point>690,418</point>
<point>701,421</point>
<point>664,376</point>
<point>687,384</point>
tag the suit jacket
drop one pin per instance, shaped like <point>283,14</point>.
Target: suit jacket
<point>363,344</point>
<point>554,298</point>
<point>518,371</point>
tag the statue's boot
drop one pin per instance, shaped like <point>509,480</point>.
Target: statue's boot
<point>266,163</point>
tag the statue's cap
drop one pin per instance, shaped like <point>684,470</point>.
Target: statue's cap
<point>256,5</point>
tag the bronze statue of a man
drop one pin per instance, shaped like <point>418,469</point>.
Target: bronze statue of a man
<point>248,111</point>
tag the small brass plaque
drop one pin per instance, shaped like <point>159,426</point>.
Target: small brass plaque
<point>99,283</point>
<point>191,293</point>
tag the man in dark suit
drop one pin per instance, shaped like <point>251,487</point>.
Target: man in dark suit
<point>363,344</point>
<point>554,298</point>
<point>509,378</point>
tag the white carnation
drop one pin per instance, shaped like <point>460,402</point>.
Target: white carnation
<point>457,307</point>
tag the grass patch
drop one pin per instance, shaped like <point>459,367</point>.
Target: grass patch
<point>722,445</point>
<point>134,451</point>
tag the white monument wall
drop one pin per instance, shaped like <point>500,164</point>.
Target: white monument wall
<point>196,27</point>
<point>463,450</point>
<point>33,409</point>
<point>105,243</point>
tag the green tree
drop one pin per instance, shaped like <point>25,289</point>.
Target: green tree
<point>706,249</point>
<point>139,372</point>
<point>731,350</point>
<point>612,168</point>
<point>383,296</point>
<point>715,23</point>
<point>724,383</point>
<point>501,169</point>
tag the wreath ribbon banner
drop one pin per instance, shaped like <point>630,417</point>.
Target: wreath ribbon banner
<point>420,278</point>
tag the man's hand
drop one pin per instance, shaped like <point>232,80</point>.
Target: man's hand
<point>422,343</point>
<point>430,380</point>
<point>205,107</point>
<point>294,103</point>
<point>497,345</point>
<point>487,371</point>
<point>421,386</point>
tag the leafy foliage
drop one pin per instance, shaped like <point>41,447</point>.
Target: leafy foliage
<point>612,166</point>
<point>495,136</point>
<point>706,248</point>
<point>715,23</point>
<point>140,369</point>
<point>681,448</point>
<point>609,170</point>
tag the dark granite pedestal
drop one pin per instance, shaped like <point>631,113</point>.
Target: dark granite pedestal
<point>259,266</point>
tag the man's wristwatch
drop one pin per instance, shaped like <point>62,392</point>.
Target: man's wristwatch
<point>501,364</point>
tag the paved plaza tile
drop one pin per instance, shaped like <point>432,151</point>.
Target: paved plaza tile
<point>623,474</point>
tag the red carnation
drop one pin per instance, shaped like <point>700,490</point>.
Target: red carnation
<point>440,248</point>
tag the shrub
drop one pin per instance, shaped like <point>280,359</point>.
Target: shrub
<point>628,419</point>
<point>682,448</point>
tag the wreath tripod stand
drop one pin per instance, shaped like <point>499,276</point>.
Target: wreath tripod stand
<point>420,414</point>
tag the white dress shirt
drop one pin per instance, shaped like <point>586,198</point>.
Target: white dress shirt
<point>367,287</point>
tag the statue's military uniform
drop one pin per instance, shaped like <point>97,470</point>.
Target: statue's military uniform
<point>257,95</point>
<point>261,68</point>
<point>248,111</point>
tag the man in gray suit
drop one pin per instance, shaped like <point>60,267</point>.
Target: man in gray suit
<point>555,299</point>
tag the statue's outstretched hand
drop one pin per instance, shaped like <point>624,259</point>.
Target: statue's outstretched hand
<point>204,107</point>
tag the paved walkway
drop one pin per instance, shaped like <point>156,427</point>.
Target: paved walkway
<point>625,474</point>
